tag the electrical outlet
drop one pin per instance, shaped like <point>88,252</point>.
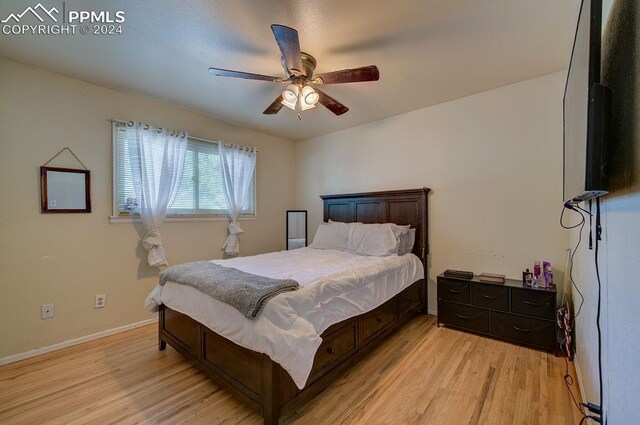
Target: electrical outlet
<point>101,301</point>
<point>47,311</point>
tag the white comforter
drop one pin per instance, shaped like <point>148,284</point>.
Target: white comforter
<point>334,286</point>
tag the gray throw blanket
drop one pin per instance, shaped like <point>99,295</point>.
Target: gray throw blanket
<point>248,293</point>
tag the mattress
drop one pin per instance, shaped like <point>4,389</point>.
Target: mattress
<point>334,286</point>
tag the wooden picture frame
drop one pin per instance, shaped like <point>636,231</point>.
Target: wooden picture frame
<point>64,190</point>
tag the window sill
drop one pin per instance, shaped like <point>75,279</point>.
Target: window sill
<point>129,219</point>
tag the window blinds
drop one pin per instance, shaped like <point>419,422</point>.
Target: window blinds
<point>201,188</point>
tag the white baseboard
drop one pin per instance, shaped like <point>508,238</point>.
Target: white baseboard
<point>583,396</point>
<point>64,344</point>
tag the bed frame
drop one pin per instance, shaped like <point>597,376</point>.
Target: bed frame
<point>262,383</point>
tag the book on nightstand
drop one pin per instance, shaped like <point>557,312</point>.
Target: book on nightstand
<point>492,278</point>
<point>460,274</point>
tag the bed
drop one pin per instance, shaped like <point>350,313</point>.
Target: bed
<point>261,381</point>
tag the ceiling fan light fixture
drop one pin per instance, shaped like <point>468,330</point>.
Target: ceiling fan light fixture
<point>304,106</point>
<point>309,96</point>
<point>290,94</point>
<point>290,105</point>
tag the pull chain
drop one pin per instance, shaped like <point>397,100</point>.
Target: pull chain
<point>299,107</point>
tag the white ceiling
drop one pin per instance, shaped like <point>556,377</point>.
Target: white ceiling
<point>428,52</point>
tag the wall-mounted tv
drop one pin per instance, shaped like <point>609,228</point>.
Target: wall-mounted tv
<point>587,109</point>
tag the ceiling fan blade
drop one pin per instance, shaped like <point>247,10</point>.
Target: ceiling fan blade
<point>246,75</point>
<point>330,103</point>
<point>275,107</point>
<point>365,73</point>
<point>287,39</point>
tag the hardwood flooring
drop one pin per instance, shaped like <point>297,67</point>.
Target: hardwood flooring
<point>421,375</point>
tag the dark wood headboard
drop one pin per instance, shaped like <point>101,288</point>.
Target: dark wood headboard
<point>394,206</point>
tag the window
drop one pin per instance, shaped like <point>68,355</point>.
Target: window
<point>201,191</point>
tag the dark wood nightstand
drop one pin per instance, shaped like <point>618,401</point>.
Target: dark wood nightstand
<point>510,311</point>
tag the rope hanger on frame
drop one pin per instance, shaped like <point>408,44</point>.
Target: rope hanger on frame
<point>66,148</point>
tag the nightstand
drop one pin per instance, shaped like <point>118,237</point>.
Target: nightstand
<point>511,311</point>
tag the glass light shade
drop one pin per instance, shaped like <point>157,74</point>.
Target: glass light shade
<point>304,106</point>
<point>309,96</point>
<point>290,105</point>
<point>290,94</point>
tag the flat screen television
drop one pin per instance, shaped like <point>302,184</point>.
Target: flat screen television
<point>587,109</point>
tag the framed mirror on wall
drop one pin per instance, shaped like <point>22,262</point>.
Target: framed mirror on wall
<point>296,229</point>
<point>64,190</point>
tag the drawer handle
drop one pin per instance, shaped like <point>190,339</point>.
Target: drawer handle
<point>453,291</point>
<point>331,351</point>
<point>531,303</point>
<point>489,297</point>
<point>460,316</point>
<point>521,329</point>
<point>379,319</point>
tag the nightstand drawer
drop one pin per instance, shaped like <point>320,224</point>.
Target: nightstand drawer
<point>533,303</point>
<point>467,317</point>
<point>453,290</point>
<point>526,330</point>
<point>490,296</point>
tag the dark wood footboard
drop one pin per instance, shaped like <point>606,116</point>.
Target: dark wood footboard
<point>262,383</point>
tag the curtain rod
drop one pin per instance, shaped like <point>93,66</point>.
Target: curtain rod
<point>190,136</point>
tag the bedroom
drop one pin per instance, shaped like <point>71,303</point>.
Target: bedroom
<point>469,103</point>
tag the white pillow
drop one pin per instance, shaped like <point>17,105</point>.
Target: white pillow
<point>373,240</point>
<point>330,236</point>
<point>398,230</point>
<point>401,232</point>
<point>342,229</point>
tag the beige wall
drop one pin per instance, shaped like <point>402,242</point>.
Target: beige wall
<point>493,161</point>
<point>66,259</point>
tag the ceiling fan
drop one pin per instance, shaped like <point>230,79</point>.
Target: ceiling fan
<point>298,68</point>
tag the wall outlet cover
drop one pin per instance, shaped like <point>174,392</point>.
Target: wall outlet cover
<point>47,311</point>
<point>100,301</point>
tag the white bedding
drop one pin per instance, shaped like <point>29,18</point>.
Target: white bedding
<point>334,286</point>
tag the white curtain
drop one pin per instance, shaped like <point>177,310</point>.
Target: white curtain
<point>157,159</point>
<point>238,164</point>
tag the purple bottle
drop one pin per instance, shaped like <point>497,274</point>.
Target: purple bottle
<point>548,274</point>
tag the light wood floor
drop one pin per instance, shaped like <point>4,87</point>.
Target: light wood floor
<point>422,375</point>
